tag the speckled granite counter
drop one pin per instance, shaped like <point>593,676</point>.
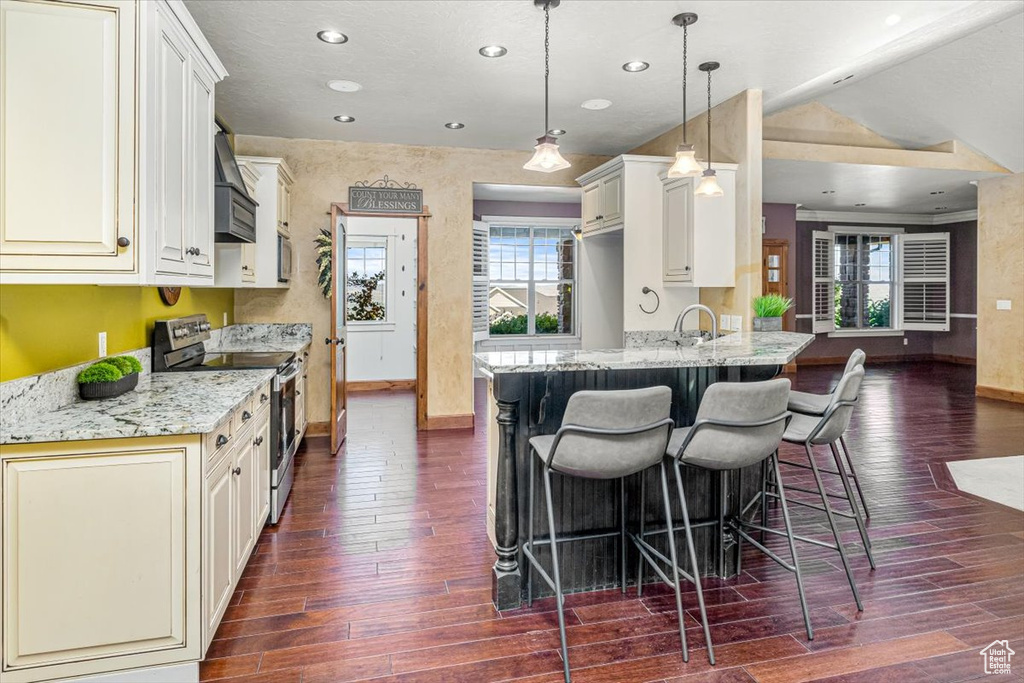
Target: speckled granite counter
<point>163,404</point>
<point>738,349</point>
<point>261,337</point>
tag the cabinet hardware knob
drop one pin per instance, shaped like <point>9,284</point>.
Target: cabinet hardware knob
<point>123,241</point>
<point>296,432</point>
<point>298,393</point>
<point>286,224</point>
<point>221,440</point>
<point>236,471</point>
<point>246,415</point>
<point>263,398</point>
<point>686,268</point>
<point>258,441</point>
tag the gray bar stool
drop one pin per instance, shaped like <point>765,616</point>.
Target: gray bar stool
<point>817,404</point>
<point>604,435</point>
<point>810,431</point>
<point>738,424</point>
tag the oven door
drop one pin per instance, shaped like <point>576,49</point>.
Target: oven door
<point>284,259</point>
<point>284,388</point>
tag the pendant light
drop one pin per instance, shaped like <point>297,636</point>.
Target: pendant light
<point>709,186</point>
<point>546,157</point>
<point>685,165</point>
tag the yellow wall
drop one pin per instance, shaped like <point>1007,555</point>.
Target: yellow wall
<point>1001,276</point>
<point>736,137</point>
<point>46,327</point>
<point>323,172</point>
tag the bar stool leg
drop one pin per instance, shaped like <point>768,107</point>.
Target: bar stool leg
<point>721,523</point>
<point>781,490</point>
<point>853,475</point>
<point>555,573</point>
<point>622,531</point>
<point>764,497</point>
<point>529,532</point>
<point>835,528</point>
<point>853,504</point>
<point>643,516</point>
<point>675,561</point>
<point>694,567</point>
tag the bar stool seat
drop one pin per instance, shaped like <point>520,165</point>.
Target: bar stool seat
<point>810,404</point>
<point>586,467</point>
<point>801,426</point>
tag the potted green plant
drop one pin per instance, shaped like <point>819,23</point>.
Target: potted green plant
<point>768,312</point>
<point>109,378</point>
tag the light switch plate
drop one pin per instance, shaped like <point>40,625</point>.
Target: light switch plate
<point>225,323</point>
<point>725,322</point>
<point>1003,304</point>
<point>103,344</point>
<point>737,323</point>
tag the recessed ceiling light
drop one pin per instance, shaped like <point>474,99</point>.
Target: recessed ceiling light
<point>938,192</point>
<point>557,132</point>
<point>595,105</point>
<point>344,119</point>
<point>860,204</point>
<point>493,51</point>
<point>828,191</point>
<point>892,19</point>
<point>332,37</point>
<point>454,125</point>
<point>344,86</point>
<point>633,67</point>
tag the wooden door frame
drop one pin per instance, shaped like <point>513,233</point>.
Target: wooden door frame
<point>421,297</point>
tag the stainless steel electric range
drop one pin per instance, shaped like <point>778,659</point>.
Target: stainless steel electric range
<point>179,346</point>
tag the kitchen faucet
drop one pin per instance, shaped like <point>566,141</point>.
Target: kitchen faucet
<point>698,307</point>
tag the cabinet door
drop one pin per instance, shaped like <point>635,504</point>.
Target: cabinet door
<point>201,177</point>
<point>94,557</point>
<point>677,231</point>
<point>248,252</point>
<point>218,542</point>
<point>170,126</point>
<point>284,197</point>
<point>263,454</point>
<point>611,200</point>
<point>67,73</point>
<point>300,404</point>
<point>591,208</point>
<point>243,476</point>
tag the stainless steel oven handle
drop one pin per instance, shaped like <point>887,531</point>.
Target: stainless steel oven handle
<point>293,372</point>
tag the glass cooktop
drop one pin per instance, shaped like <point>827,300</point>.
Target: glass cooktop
<point>239,361</point>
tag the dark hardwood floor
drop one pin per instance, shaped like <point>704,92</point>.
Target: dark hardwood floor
<point>380,568</point>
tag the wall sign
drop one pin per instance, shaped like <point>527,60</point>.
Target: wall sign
<point>385,196</point>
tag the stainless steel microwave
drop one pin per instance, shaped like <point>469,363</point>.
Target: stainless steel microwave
<point>284,259</point>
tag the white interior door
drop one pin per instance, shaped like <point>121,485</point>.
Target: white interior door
<point>382,312</point>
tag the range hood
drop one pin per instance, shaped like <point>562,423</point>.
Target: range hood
<point>234,209</point>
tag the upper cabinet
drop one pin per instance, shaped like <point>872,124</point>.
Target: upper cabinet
<point>698,245</point>
<point>117,189</point>
<point>603,200</point>
<point>272,191</point>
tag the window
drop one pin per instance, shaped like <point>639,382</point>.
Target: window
<point>532,274</point>
<point>880,281</point>
<point>366,269</point>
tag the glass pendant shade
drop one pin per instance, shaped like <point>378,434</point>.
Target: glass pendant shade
<point>686,165</point>
<point>709,186</point>
<point>546,157</point>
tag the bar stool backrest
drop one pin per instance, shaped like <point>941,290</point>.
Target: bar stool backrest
<point>743,442</point>
<point>857,359</point>
<point>609,456</point>
<point>840,409</point>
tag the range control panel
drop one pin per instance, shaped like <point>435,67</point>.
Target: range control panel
<point>182,332</point>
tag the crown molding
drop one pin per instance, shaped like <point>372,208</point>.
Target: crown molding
<point>886,218</point>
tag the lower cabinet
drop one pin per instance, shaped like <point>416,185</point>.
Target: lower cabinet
<point>218,550</point>
<point>101,556</point>
<point>300,406</point>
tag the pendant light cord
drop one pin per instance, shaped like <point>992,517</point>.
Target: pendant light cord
<point>547,69</point>
<point>709,119</point>
<point>686,28</point>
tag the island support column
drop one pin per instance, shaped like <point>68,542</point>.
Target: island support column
<point>507,579</point>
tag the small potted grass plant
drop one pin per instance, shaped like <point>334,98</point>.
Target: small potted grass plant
<point>109,378</point>
<point>768,312</point>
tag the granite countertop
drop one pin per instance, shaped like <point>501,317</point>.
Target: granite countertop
<point>738,349</point>
<point>164,404</point>
<point>262,338</point>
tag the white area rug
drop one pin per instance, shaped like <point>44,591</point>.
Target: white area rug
<point>996,479</point>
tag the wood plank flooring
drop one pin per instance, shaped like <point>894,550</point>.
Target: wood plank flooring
<point>380,568</point>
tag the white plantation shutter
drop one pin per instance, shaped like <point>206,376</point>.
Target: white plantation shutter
<point>823,295</point>
<point>924,286</point>
<point>481,281</point>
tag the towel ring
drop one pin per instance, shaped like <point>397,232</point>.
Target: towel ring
<point>657,301</point>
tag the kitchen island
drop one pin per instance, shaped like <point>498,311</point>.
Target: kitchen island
<point>528,394</point>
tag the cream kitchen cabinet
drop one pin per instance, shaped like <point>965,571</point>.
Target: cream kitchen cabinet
<point>131,199</point>
<point>117,517</point>
<point>698,245</point>
<point>218,546</point>
<point>237,263</point>
<point>284,203</point>
<point>603,200</point>
<point>273,194</point>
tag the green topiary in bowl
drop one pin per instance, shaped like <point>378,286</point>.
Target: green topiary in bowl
<point>106,380</point>
<point>126,364</point>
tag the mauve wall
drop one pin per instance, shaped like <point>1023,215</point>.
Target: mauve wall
<point>489,207</point>
<point>960,341</point>
<point>780,224</point>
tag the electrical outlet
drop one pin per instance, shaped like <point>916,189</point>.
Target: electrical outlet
<point>737,323</point>
<point>725,322</point>
<point>1003,305</point>
<point>103,344</point>
<point>225,324</point>
<point>905,341</point>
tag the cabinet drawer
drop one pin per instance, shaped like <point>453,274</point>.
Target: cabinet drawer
<point>218,442</point>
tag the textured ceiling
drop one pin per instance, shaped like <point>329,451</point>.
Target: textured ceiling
<point>971,89</point>
<point>418,63</point>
